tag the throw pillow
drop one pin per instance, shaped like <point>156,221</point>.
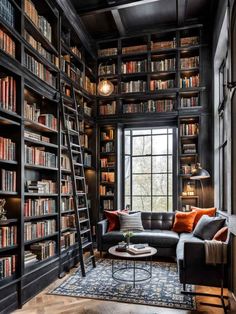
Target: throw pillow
<point>207,227</point>
<point>184,221</point>
<point>113,218</point>
<point>221,235</point>
<point>211,212</point>
<point>131,222</point>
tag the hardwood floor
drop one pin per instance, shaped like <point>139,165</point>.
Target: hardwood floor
<point>44,303</point>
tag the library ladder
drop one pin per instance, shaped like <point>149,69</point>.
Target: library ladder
<point>70,123</point>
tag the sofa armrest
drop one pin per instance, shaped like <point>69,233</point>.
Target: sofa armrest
<point>194,254</point>
<point>101,230</point>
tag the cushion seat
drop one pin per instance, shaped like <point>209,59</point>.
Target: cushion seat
<point>157,238</point>
<point>180,246</point>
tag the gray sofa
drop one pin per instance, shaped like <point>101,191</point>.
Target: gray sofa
<point>188,250</point>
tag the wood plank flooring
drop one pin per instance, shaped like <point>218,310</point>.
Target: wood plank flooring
<point>44,303</point>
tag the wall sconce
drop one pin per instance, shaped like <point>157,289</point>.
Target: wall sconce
<point>105,88</point>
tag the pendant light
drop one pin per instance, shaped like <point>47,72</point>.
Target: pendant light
<point>105,87</point>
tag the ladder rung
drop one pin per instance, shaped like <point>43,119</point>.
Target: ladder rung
<point>75,151</point>
<point>70,108</point>
<point>88,258</point>
<point>78,164</point>
<point>84,231</point>
<point>84,220</point>
<point>80,193</point>
<point>79,178</point>
<point>73,131</point>
<point>75,145</point>
<point>84,245</point>
<point>82,209</point>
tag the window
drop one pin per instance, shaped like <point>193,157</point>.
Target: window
<point>149,169</point>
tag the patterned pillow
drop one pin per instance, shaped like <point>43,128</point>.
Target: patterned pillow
<point>131,222</point>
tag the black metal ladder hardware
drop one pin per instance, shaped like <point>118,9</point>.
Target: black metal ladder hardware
<point>70,124</point>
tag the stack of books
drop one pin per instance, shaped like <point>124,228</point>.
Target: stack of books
<point>137,249</point>
<point>30,258</point>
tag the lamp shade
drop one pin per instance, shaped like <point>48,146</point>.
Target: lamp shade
<point>199,173</point>
<point>105,88</point>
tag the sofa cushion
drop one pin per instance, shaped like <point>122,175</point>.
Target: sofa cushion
<point>184,221</point>
<point>113,218</point>
<point>157,220</point>
<point>207,227</point>
<point>211,212</point>
<point>185,237</point>
<point>221,235</point>
<point>157,238</point>
<point>131,222</point>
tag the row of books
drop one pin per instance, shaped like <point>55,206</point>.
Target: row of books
<point>89,86</point>
<point>39,157</point>
<point>33,113</point>
<point>8,236</point>
<point>107,135</point>
<point>39,229</point>
<point>7,180</point>
<point>163,65</point>
<point>65,162</point>
<point>164,105</point>
<point>7,12</point>
<point>41,187</point>
<point>67,221</point>
<point>40,21</point>
<point>66,184</point>
<point>8,93</point>
<point>187,168</point>
<point>108,177</point>
<point>108,204</point>
<point>41,50</point>
<point>191,62</point>
<point>106,163</point>
<point>39,70</point>
<point>67,239</point>
<point>38,207</point>
<point>108,147</point>
<point>36,136</point>
<point>7,149</point>
<point>44,249</point>
<point>134,67</point>
<point>108,108</point>
<point>87,110</point>
<point>67,203</point>
<point>107,52</point>
<point>106,191</point>
<point>87,159</point>
<point>186,102</point>
<point>76,52</point>
<point>133,86</point>
<point>192,81</point>
<point>161,84</point>
<point>134,49</point>
<point>7,44</point>
<point>189,41</point>
<point>189,148</point>
<point>188,129</point>
<point>74,73</point>
<point>7,266</point>
<point>84,140</point>
<point>106,69</point>
<point>165,44</point>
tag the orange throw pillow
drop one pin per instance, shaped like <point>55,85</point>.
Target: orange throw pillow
<point>113,218</point>
<point>221,235</point>
<point>211,212</point>
<point>184,221</point>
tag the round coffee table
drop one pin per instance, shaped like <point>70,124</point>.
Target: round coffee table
<point>131,266</point>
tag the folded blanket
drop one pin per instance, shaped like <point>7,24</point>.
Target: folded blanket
<point>215,252</point>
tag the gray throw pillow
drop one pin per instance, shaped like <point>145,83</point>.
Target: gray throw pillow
<point>131,222</point>
<point>207,227</point>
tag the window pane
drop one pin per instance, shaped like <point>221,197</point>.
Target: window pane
<point>142,132</point>
<point>159,164</point>
<point>159,184</point>
<point>141,184</point>
<point>170,204</point>
<point>127,202</point>
<point>127,143</point>
<point>127,175</point>
<point>159,131</point>
<point>170,131</point>
<point>170,184</point>
<point>159,204</point>
<point>170,144</point>
<point>141,164</point>
<point>142,203</point>
<point>170,164</point>
<point>159,144</point>
<point>142,145</point>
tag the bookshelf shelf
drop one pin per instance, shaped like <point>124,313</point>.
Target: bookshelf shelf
<point>9,162</point>
<point>41,238</point>
<point>40,217</point>
<point>8,248</point>
<point>29,166</point>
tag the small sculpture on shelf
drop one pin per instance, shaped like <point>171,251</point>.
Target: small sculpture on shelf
<point>2,210</point>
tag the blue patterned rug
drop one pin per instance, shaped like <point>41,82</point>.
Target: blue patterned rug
<point>163,289</point>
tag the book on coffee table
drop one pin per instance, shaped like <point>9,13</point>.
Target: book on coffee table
<point>133,250</point>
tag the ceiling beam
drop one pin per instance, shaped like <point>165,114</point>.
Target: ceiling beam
<point>113,6</point>
<point>181,6</point>
<point>118,21</point>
